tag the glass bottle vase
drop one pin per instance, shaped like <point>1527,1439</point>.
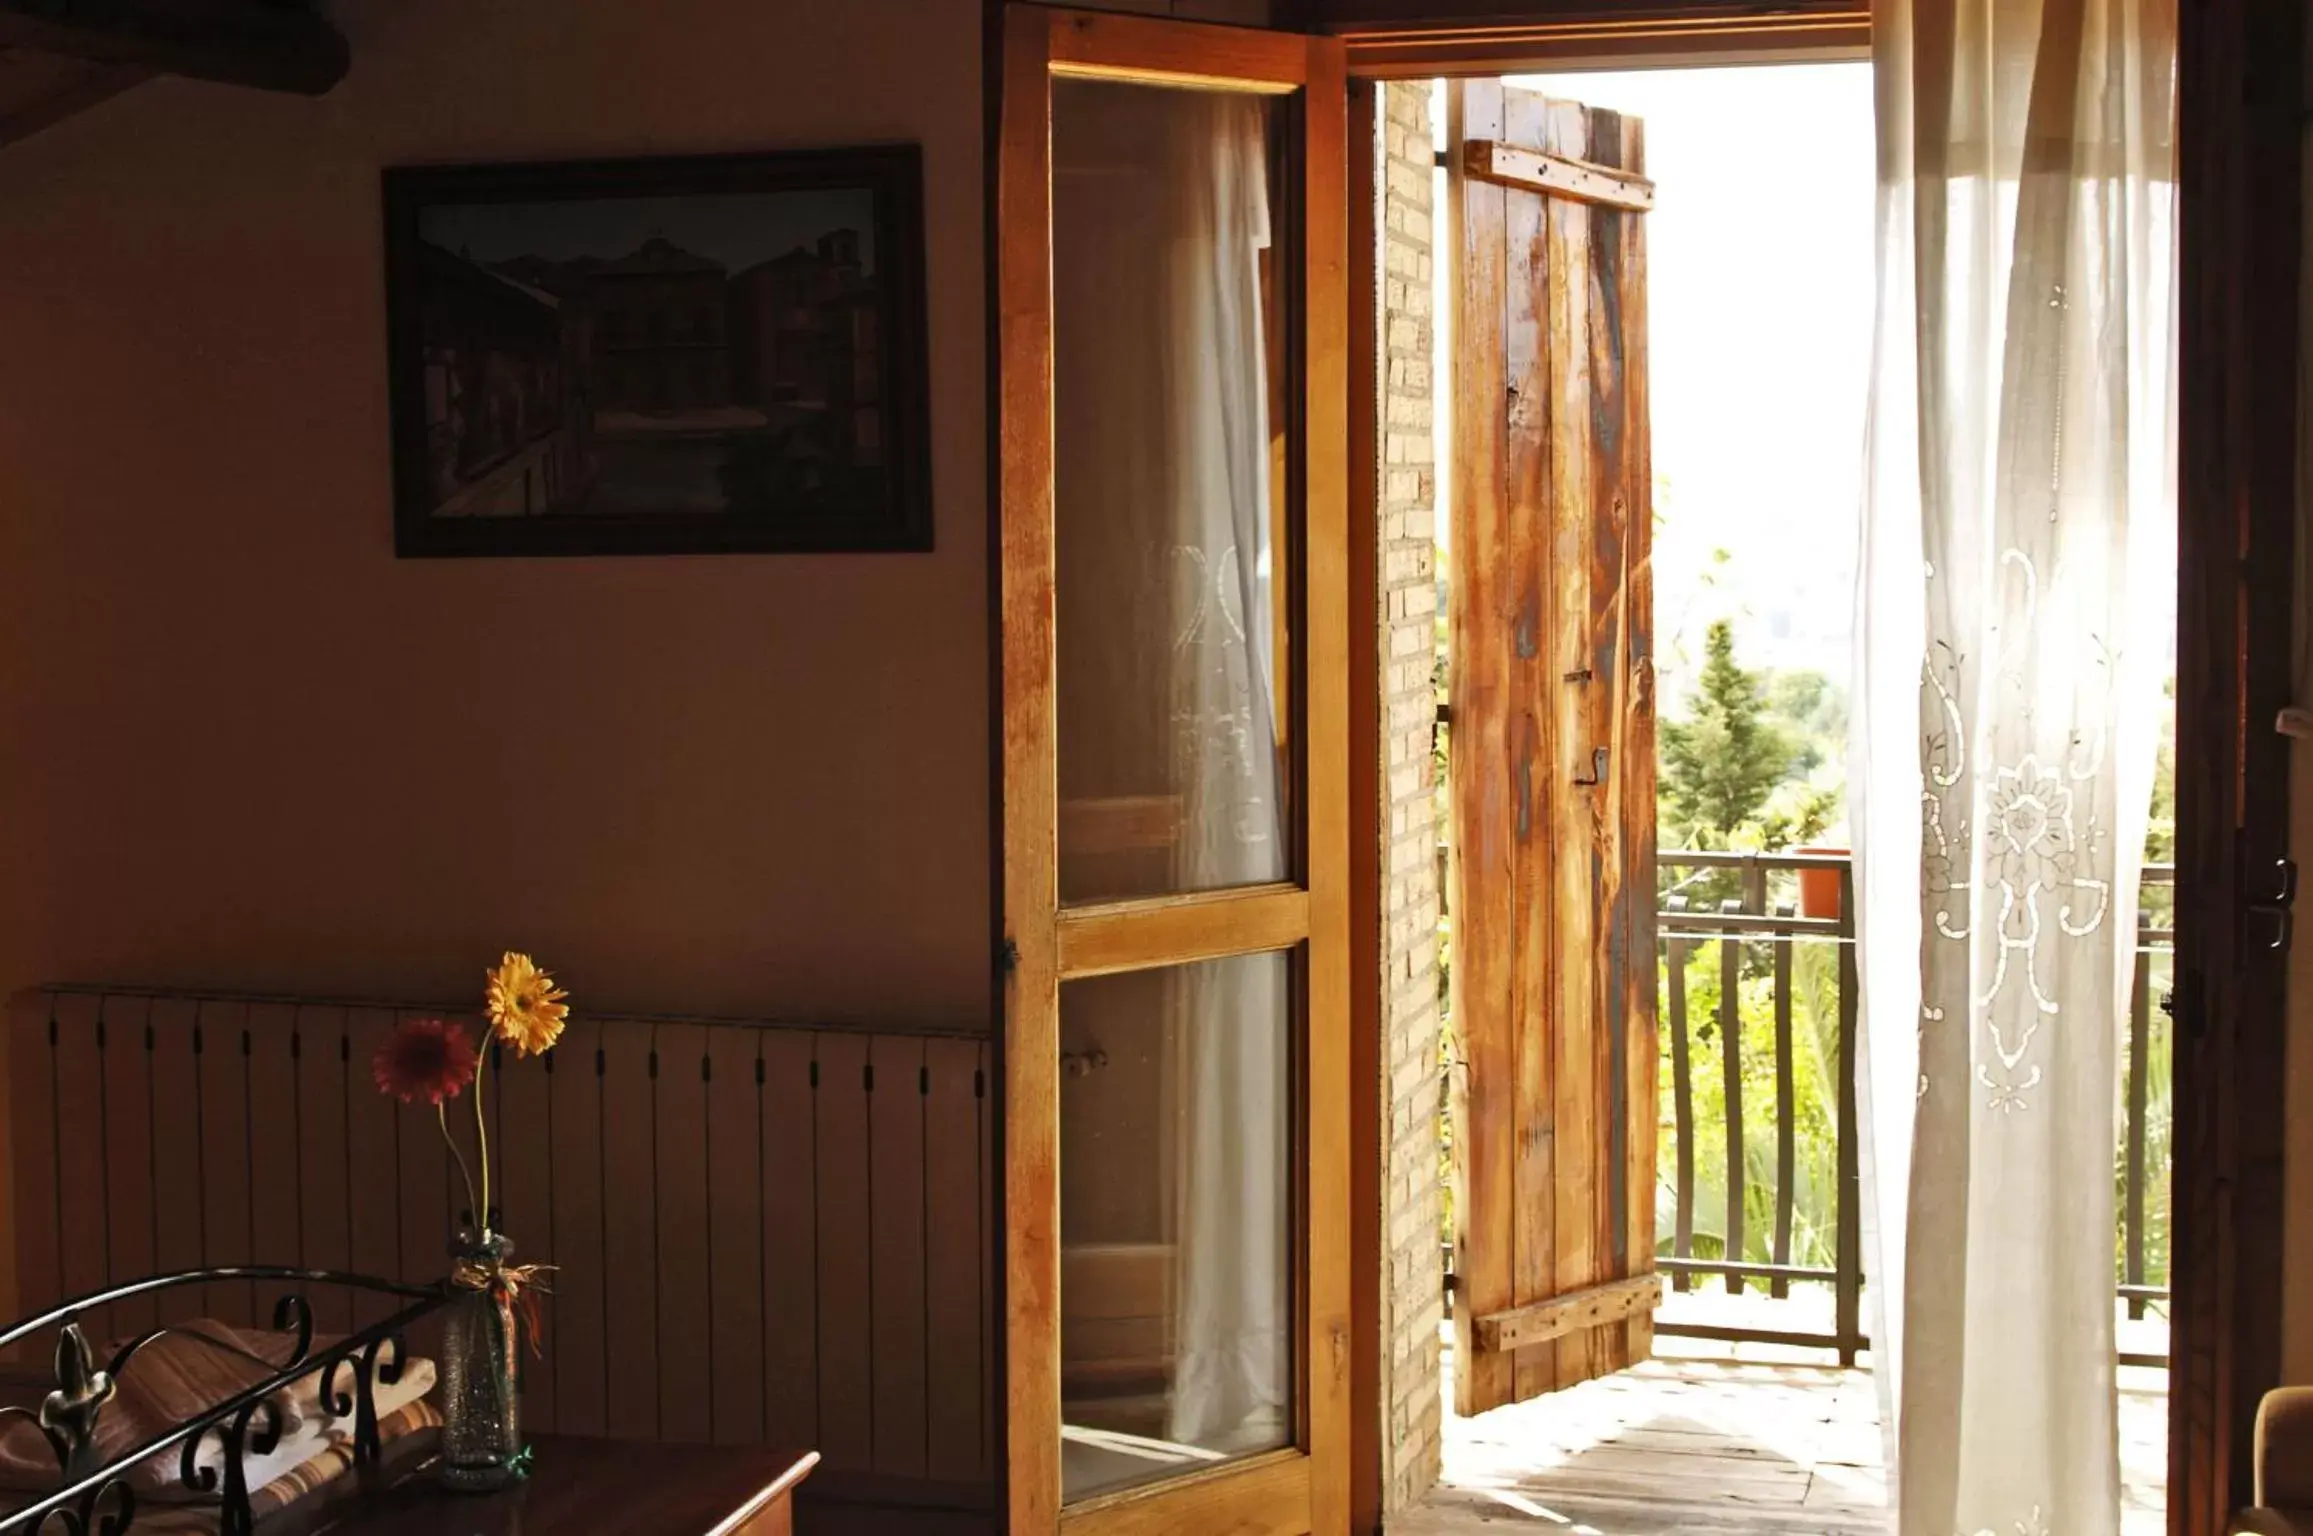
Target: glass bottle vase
<point>481,1372</point>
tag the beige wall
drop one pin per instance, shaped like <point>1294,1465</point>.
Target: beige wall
<point>241,744</point>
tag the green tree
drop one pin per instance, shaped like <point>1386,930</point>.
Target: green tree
<point>1720,765</point>
<point>1815,710</point>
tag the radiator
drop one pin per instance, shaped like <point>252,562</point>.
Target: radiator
<point>758,1232</point>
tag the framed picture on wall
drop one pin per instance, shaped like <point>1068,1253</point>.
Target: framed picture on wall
<point>669,356</point>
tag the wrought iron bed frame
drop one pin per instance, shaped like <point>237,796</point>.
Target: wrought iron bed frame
<point>95,1499</point>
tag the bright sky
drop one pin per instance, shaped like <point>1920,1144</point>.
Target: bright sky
<point>1759,283</point>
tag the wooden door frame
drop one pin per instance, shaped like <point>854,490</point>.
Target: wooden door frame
<point>2241,94</point>
<point>2241,98</point>
<point>1039,941</point>
<point>2241,88</point>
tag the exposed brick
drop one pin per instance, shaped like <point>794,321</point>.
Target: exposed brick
<point>1412,1278</point>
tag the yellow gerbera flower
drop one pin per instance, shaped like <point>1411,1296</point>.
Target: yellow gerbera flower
<point>526,1008</point>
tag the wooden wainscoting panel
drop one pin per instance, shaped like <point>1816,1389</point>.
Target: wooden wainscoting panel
<point>955,1174</point>
<point>176,1132</point>
<point>373,1192</point>
<point>325,1214</point>
<point>34,1143</point>
<point>846,1263</point>
<point>630,1236</point>
<point>221,1064</point>
<point>790,1175</point>
<point>80,1181</point>
<point>897,1217</point>
<point>577,1327</point>
<point>686,1317</point>
<point>276,1160</point>
<point>736,1232</point>
<point>128,1154</point>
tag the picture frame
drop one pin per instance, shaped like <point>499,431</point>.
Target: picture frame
<point>690,355</point>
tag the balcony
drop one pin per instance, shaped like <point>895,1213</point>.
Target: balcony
<point>1757,1196</point>
<point>1758,1412</point>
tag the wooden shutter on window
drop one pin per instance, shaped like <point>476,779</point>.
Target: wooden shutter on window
<point>1553,748</point>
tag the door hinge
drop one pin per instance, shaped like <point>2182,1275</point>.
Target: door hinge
<point>1008,956</point>
<point>2277,910</point>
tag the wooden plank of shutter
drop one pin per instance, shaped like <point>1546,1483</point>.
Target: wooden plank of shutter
<point>1487,826</point>
<point>1571,808</point>
<point>1553,777</point>
<point>1629,699</point>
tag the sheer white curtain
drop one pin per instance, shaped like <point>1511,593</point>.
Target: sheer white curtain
<point>1231,1385</point>
<point>2016,602</point>
<point>1167,681</point>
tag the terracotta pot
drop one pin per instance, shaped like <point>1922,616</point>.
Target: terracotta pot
<point>1819,887</point>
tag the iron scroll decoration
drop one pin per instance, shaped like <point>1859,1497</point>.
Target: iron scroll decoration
<point>95,1497</point>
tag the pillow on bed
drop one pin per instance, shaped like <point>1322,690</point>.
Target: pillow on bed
<point>173,1378</point>
<point>202,1519</point>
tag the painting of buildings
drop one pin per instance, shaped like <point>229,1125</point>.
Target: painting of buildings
<point>706,369</point>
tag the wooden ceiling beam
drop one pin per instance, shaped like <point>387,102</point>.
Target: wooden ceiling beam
<point>272,47</point>
<point>77,87</point>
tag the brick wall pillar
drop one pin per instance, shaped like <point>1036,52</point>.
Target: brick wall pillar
<point>1413,1294</point>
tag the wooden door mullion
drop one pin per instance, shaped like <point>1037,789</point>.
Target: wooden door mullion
<point>1134,936</point>
<point>1029,1118</point>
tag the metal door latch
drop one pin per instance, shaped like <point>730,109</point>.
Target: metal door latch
<point>1597,772</point>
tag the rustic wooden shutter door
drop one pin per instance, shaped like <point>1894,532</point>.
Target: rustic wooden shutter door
<point>1553,767</point>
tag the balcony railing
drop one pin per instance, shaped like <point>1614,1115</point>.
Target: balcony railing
<point>1758,969</point>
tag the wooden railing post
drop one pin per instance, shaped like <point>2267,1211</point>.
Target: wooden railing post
<point>1847,1286</point>
<point>1786,1110</point>
<point>1731,1061</point>
<point>1682,1098</point>
<point>2139,1051</point>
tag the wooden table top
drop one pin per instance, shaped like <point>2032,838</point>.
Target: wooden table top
<point>576,1485</point>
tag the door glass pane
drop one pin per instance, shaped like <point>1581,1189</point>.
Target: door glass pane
<point>1170,490</point>
<point>1176,1204</point>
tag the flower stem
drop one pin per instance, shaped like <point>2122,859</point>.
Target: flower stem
<point>442,1114</point>
<point>482,1135</point>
